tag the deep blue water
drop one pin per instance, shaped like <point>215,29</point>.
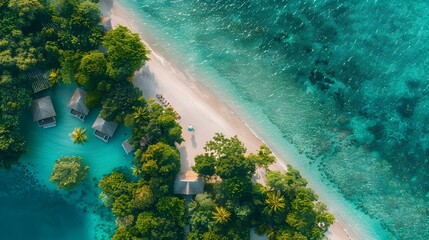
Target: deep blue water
<point>344,82</point>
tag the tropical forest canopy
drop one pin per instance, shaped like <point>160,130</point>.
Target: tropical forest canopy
<point>63,38</point>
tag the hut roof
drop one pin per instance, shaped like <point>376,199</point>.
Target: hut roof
<point>77,101</point>
<point>188,183</point>
<point>105,127</point>
<point>39,80</point>
<point>127,146</point>
<point>42,108</point>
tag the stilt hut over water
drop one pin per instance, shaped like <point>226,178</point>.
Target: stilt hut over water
<point>188,183</point>
<point>77,105</point>
<point>127,146</point>
<point>104,130</point>
<point>43,112</point>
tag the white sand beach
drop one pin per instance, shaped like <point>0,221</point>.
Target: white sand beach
<point>195,104</point>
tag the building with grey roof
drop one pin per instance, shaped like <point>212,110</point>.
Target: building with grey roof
<point>77,105</point>
<point>104,130</point>
<point>43,112</point>
<point>189,183</point>
<point>127,146</point>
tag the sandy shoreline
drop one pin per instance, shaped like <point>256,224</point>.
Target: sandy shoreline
<point>196,104</point>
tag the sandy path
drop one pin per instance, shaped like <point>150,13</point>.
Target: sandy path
<point>196,105</point>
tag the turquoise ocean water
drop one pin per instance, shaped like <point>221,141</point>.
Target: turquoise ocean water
<point>344,83</point>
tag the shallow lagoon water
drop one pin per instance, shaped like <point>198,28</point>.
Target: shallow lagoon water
<point>29,201</point>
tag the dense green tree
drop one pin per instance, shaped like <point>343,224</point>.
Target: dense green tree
<point>146,222</point>
<point>121,207</point>
<point>92,70</point>
<point>12,145</point>
<point>160,161</point>
<point>143,197</point>
<point>93,99</point>
<point>68,172</point>
<point>205,165</point>
<point>120,102</point>
<point>25,9</point>
<point>155,124</point>
<point>221,146</point>
<point>69,61</point>
<point>264,158</point>
<point>113,186</point>
<point>84,17</point>
<point>125,51</point>
<point>122,233</point>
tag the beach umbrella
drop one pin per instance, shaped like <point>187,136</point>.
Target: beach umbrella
<point>190,128</point>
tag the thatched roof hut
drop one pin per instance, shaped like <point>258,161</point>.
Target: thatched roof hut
<point>43,112</point>
<point>77,105</point>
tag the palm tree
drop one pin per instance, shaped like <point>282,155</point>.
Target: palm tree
<point>275,201</point>
<point>78,136</point>
<point>54,77</point>
<point>221,215</point>
<point>136,170</point>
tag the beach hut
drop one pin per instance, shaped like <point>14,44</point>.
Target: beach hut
<point>188,183</point>
<point>106,23</point>
<point>77,105</point>
<point>43,112</point>
<point>104,130</point>
<point>127,146</point>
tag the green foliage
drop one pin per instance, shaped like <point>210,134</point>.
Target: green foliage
<point>292,209</point>
<point>126,53</point>
<point>12,145</point>
<point>123,234</point>
<point>275,202</point>
<point>68,172</point>
<point>264,158</point>
<point>69,61</point>
<point>113,186</point>
<point>160,161</point>
<point>155,124</point>
<point>92,70</point>
<point>93,99</point>
<point>143,197</point>
<point>221,215</point>
<point>120,102</point>
<point>205,165</point>
<point>85,17</point>
<point>121,206</point>
<point>285,209</point>
<point>221,146</point>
